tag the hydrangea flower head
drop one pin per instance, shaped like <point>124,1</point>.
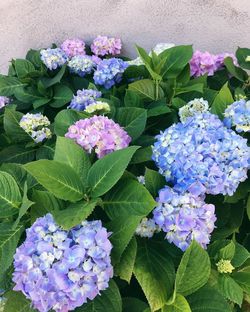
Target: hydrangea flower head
<point>103,45</point>
<point>109,72</point>
<point>193,107</point>
<point>99,134</point>
<point>184,217</point>
<point>97,106</point>
<point>147,228</point>
<point>202,156</point>
<point>224,266</point>
<point>36,125</point>
<point>137,62</point>
<point>53,58</point>
<point>84,98</point>
<point>4,100</point>
<point>81,65</point>
<point>238,115</point>
<point>221,57</point>
<point>59,269</point>
<point>162,46</point>
<point>73,47</point>
<point>203,63</point>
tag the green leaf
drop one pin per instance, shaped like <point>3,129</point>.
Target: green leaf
<point>193,271</point>
<point>208,299</point>
<point>106,171</point>
<point>17,154</point>
<point>48,82</point>
<point>242,54</point>
<point>180,305</point>
<point>30,95</point>
<point>230,289</point>
<point>235,71</point>
<point>10,197</point>
<point>74,214</point>
<point>227,252</point>
<point>61,180</point>
<point>248,207</point>
<point>124,269</point>
<point>46,150</point>
<point>146,89</point>
<point>154,181</point>
<point>133,120</point>
<point>8,85</point>
<point>130,304</point>
<point>109,301</point>
<point>221,101</point>
<point>240,256</point>
<point>132,99</point>
<point>240,193</point>
<point>62,96</point>
<point>198,87</point>
<point>40,102</point>
<point>16,302</point>
<point>155,272</point>
<point>242,277</point>
<point>34,57</point>
<point>23,67</point>
<point>158,108</point>
<point>142,155</point>
<point>75,157</point>
<point>8,243</point>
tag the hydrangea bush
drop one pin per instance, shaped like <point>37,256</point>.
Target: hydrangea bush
<point>124,183</point>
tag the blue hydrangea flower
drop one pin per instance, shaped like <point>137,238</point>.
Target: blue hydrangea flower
<point>109,72</point>
<point>238,115</point>
<point>83,98</point>
<point>81,65</point>
<point>202,156</point>
<point>184,217</point>
<point>59,270</point>
<point>53,58</point>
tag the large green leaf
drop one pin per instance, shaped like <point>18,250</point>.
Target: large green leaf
<point>60,180</point>
<point>75,157</point>
<point>208,299</point>
<point>179,305</point>
<point>154,181</point>
<point>227,252</point>
<point>154,272</point>
<point>193,271</point>
<point>8,85</point>
<point>48,82</point>
<point>235,71</point>
<point>109,301</point>
<point>17,154</point>
<point>230,289</point>
<point>146,89</point>
<point>16,302</point>
<point>10,197</point>
<point>106,171</point>
<point>242,277</point>
<point>130,304</point>
<point>30,95</point>
<point>222,100</point>
<point>132,99</point>
<point>62,96</point>
<point>8,243</point>
<point>240,256</point>
<point>133,120</point>
<point>74,214</point>
<point>23,67</point>
<point>242,54</point>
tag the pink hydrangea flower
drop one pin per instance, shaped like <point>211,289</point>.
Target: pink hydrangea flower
<point>73,47</point>
<point>103,45</point>
<point>221,57</point>
<point>203,63</point>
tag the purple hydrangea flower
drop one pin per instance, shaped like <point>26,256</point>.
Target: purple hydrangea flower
<point>4,100</point>
<point>83,98</point>
<point>202,156</point>
<point>184,217</point>
<point>103,45</point>
<point>238,115</point>
<point>53,58</point>
<point>203,63</point>
<point>109,72</point>
<point>99,134</point>
<point>59,269</point>
<point>73,47</point>
<point>221,57</point>
<point>36,125</point>
<point>81,65</point>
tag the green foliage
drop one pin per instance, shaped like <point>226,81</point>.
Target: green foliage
<point>221,101</point>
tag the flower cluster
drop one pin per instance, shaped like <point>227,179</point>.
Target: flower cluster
<point>109,72</point>
<point>206,63</point>
<point>193,107</point>
<point>36,125</point>
<point>97,106</point>
<point>73,47</point>
<point>103,45</point>
<point>83,98</point>
<point>53,58</point>
<point>238,115</point>
<point>161,47</point>
<point>184,217</point>
<point>202,156</point>
<point>99,134</point>
<point>60,270</point>
<point>81,65</point>
<point>141,179</point>
<point>224,266</point>
<point>4,100</point>
<point>147,228</point>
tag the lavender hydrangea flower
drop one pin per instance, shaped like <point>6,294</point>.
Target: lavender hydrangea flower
<point>81,65</point>
<point>36,125</point>
<point>219,59</point>
<point>103,45</point>
<point>203,63</point>
<point>99,134</point>
<point>202,156</point>
<point>83,98</point>
<point>238,115</point>
<point>4,100</point>
<point>61,270</point>
<point>73,47</point>
<point>193,107</point>
<point>184,217</point>
<point>109,72</point>
<point>147,228</point>
<point>53,58</point>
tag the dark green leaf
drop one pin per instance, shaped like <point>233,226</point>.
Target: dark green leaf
<point>242,54</point>
<point>154,181</point>
<point>17,154</point>
<point>23,67</point>
<point>221,101</point>
<point>16,302</point>
<point>8,85</point>
<point>230,289</point>
<point>48,82</point>
<point>132,99</point>
<point>62,96</point>
<point>133,305</point>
